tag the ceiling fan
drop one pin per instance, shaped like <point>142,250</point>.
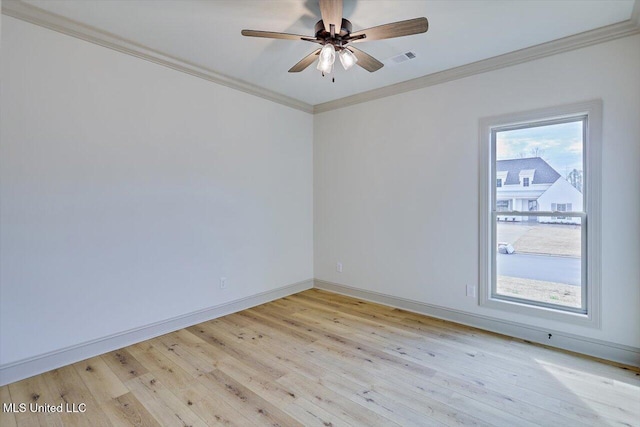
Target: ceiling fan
<point>334,34</point>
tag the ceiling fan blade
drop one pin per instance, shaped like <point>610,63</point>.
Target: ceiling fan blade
<point>331,11</point>
<point>305,62</point>
<point>365,60</point>
<point>273,35</point>
<point>395,29</point>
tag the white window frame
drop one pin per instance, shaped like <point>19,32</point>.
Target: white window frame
<point>591,236</point>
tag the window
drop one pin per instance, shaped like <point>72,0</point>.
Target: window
<point>560,207</point>
<point>555,269</point>
<point>499,182</point>
<point>502,205</point>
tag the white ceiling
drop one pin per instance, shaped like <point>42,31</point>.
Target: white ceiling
<point>207,33</point>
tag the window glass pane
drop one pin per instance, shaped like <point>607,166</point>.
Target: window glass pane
<point>539,261</point>
<point>542,164</point>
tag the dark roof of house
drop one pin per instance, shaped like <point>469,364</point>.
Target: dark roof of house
<point>544,174</point>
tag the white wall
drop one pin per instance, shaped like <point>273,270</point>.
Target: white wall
<point>128,189</point>
<point>396,183</point>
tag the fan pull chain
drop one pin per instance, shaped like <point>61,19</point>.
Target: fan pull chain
<point>333,79</point>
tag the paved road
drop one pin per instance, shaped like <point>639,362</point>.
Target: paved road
<point>540,267</point>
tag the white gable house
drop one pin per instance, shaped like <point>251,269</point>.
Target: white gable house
<point>531,184</point>
<point>561,197</point>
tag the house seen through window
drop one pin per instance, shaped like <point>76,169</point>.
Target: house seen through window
<point>540,221</point>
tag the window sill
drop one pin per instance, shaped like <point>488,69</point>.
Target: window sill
<point>540,312</point>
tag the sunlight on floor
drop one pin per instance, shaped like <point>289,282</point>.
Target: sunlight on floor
<point>615,403</point>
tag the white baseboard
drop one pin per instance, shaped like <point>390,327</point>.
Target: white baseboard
<point>597,348</point>
<point>31,366</point>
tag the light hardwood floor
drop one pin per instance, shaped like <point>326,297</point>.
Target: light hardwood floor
<point>317,358</point>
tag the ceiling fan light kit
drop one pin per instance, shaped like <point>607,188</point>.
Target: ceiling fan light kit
<point>334,34</point>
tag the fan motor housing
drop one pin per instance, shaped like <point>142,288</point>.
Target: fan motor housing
<point>323,34</point>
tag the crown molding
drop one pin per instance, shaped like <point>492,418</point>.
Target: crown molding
<point>34,15</point>
<point>599,35</point>
<point>18,9</point>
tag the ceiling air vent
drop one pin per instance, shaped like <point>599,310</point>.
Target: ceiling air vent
<point>401,58</point>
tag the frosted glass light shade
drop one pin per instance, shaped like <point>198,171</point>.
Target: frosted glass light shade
<point>326,67</point>
<point>327,58</point>
<point>347,58</point>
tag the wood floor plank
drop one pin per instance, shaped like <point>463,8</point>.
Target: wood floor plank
<point>333,402</point>
<point>413,389</point>
<point>7,418</point>
<point>256,381</point>
<point>290,358</point>
<point>172,375</point>
<point>123,364</point>
<point>211,408</point>
<point>184,346</point>
<point>163,405</point>
<point>441,404</point>
<point>34,393</point>
<point>103,384</point>
<point>371,399</point>
<point>318,358</point>
<point>238,348</point>
<point>311,415</point>
<point>269,328</point>
<point>69,387</point>
<point>127,410</point>
<point>246,402</point>
<point>172,350</point>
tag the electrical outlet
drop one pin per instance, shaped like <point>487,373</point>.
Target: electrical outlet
<point>471,291</point>
<point>223,282</point>
<point>339,267</point>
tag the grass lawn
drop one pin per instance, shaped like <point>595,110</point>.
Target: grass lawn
<point>537,290</point>
<point>543,239</point>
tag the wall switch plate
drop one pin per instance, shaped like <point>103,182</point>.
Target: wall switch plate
<point>223,282</point>
<point>339,267</point>
<point>471,291</point>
